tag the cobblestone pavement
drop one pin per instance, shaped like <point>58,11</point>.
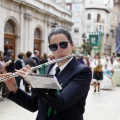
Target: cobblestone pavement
<point>103,106</point>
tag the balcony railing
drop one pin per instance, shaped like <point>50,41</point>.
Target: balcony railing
<point>99,21</point>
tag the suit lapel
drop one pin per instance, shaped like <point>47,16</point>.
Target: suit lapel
<point>49,68</point>
<point>67,71</point>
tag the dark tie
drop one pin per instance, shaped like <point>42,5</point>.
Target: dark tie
<point>51,111</point>
<point>57,71</point>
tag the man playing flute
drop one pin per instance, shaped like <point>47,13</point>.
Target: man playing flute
<point>66,104</point>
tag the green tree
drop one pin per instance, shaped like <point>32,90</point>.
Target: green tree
<point>87,48</point>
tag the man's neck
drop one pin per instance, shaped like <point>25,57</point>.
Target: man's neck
<point>62,63</point>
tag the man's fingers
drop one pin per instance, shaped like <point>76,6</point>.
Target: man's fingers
<point>4,75</point>
<point>28,67</point>
<point>20,72</point>
<point>7,81</point>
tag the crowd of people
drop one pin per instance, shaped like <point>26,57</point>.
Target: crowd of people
<point>7,64</point>
<point>102,67</point>
<point>104,70</point>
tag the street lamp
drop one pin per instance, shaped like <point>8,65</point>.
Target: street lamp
<point>54,25</point>
<point>84,38</point>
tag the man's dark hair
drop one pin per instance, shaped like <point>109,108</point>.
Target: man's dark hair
<point>20,55</point>
<point>10,52</point>
<point>28,54</point>
<point>61,30</point>
<point>35,51</point>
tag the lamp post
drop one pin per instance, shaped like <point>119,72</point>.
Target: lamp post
<point>54,25</point>
<point>84,38</point>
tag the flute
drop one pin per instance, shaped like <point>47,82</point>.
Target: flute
<point>39,66</point>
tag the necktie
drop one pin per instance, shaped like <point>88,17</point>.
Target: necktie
<point>57,71</point>
<point>51,111</point>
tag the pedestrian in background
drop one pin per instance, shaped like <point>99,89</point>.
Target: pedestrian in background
<point>19,64</point>
<point>43,60</point>
<point>29,61</point>
<point>10,68</point>
<point>3,66</point>
<point>35,56</point>
<point>97,73</point>
<point>112,58</point>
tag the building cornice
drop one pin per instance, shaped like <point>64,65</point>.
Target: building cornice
<point>47,11</point>
<point>45,2</point>
<point>99,7</point>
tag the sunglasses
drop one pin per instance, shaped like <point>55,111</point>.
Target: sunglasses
<point>54,47</point>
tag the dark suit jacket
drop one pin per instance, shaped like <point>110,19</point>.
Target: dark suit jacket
<point>69,103</point>
<point>11,67</point>
<point>18,64</point>
<point>37,60</point>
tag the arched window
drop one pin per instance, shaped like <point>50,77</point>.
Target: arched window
<point>9,27</point>
<point>9,37</point>
<point>37,34</point>
<point>89,16</point>
<point>37,40</point>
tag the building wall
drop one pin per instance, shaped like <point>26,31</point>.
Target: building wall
<point>104,8</point>
<point>27,15</point>
<point>79,18</point>
<point>77,9</point>
<point>115,21</point>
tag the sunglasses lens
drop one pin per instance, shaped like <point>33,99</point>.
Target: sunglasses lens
<point>63,45</point>
<point>53,47</point>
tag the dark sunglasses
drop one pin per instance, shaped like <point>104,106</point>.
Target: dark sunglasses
<point>54,47</point>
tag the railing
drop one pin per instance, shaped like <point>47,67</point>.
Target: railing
<point>99,21</point>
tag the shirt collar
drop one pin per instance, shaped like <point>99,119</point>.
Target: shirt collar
<point>63,66</point>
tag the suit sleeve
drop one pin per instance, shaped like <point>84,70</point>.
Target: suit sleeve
<point>24,100</point>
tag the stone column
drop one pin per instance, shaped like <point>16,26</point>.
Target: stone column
<point>47,25</point>
<point>28,36</point>
<point>2,24</point>
<point>22,33</point>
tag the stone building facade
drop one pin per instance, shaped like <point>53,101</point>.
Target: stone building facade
<point>25,24</point>
<point>116,22</point>
<point>91,16</point>
<point>99,19</point>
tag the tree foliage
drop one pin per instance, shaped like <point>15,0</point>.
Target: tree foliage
<point>87,48</point>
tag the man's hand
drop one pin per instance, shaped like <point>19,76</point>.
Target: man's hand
<point>10,83</point>
<point>24,71</point>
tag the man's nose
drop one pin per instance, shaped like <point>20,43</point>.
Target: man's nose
<point>59,49</point>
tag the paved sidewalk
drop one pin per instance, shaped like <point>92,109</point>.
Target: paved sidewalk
<point>103,106</point>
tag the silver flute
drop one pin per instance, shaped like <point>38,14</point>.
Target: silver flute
<point>39,66</point>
